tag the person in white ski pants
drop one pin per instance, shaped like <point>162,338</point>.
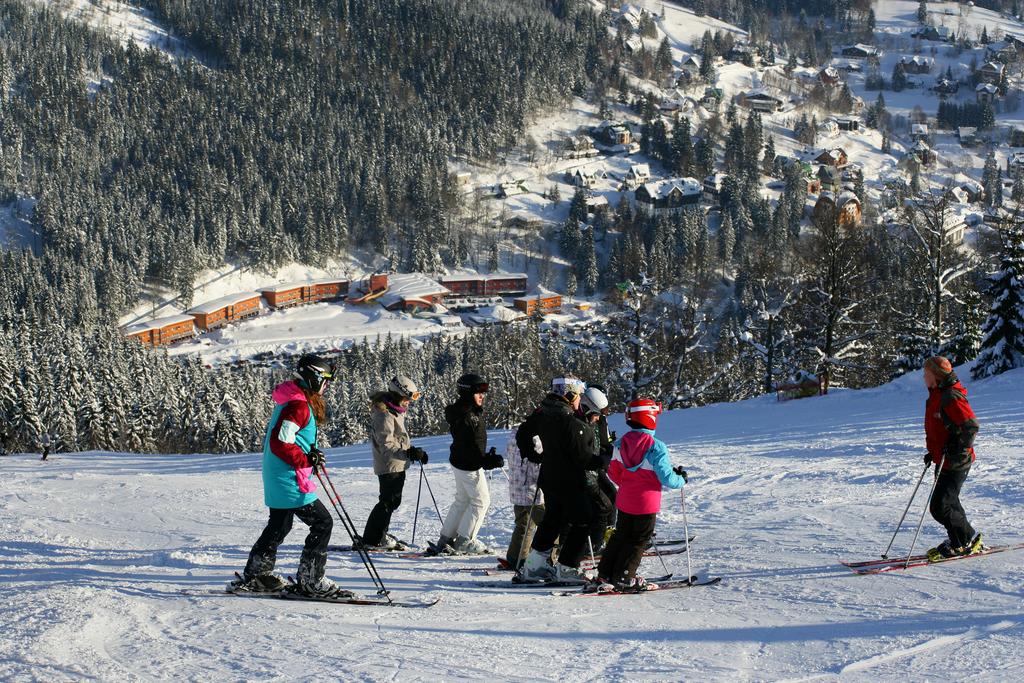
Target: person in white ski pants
<point>469,458</point>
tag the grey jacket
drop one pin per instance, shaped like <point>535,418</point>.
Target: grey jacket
<point>389,437</point>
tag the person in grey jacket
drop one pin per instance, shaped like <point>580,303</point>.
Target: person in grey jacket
<point>392,453</point>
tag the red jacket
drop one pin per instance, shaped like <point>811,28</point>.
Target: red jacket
<point>950,425</point>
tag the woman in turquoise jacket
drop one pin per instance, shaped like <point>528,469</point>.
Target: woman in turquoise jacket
<point>290,457</point>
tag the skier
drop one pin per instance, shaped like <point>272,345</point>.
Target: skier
<point>641,467</point>
<point>290,457</point>
<point>44,444</point>
<point>468,458</point>
<point>950,427</point>
<point>593,405</point>
<point>569,449</point>
<point>527,502</point>
<point>392,453</point>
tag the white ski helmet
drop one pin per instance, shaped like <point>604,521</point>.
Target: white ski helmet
<point>404,387</point>
<point>593,401</point>
<point>568,386</point>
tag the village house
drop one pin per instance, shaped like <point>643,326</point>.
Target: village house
<point>1014,162</point>
<point>579,147</point>
<point>713,185</point>
<point>667,196</point>
<point>613,133</point>
<point>596,205</point>
<point>986,93</point>
<point>638,174</point>
<point>835,156</point>
<point>991,72</point>
<point>848,123</point>
<point>829,128</point>
<point>920,153</point>
<point>845,207</point>
<point>829,178</point>
<point>860,51</point>
<point>917,64</point>
<point>745,54</point>
<point>759,100</point>
<point>583,177</point>
<point>967,135</point>
<point>510,188</point>
<point>411,292</point>
<point>829,77</point>
<point>940,33</point>
<point>946,86</point>
<point>919,131</point>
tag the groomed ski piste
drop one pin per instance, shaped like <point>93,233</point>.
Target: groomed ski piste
<point>96,549</point>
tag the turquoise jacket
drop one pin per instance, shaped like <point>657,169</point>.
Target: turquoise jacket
<point>290,435</point>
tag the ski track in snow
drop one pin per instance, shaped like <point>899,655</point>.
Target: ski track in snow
<point>95,549</point>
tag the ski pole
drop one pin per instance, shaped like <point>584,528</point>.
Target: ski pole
<point>416,516</point>
<point>339,508</point>
<point>931,493</point>
<point>885,555</point>
<point>657,552</point>
<point>686,534</point>
<point>431,492</point>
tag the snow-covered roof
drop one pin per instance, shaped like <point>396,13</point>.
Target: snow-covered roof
<point>407,286</point>
<point>919,129</point>
<point>845,197</point>
<point>229,300</point>
<point>596,202</point>
<point>660,189</point>
<point>987,88</point>
<point>640,170</point>
<point>476,277</point>
<point>285,286</point>
<point>156,324</point>
<point>966,131</point>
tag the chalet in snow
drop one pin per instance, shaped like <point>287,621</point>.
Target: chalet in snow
<point>917,64</point>
<point>671,195</point>
<point>860,51</point>
<point>227,309</point>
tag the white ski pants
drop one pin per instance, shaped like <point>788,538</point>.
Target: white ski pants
<point>472,498</point>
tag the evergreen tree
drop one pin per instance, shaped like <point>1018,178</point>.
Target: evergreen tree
<point>1002,346</point>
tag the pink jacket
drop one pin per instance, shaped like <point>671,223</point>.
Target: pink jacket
<point>640,467</point>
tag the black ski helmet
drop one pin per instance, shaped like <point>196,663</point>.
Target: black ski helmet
<point>313,371</point>
<point>471,383</point>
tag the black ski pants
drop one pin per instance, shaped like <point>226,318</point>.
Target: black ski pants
<point>571,510</point>
<point>390,498</point>
<point>947,510</point>
<point>626,547</point>
<point>610,491</point>
<point>263,555</point>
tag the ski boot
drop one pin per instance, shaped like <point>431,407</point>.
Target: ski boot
<point>536,568</point>
<point>470,546</point>
<point>323,588</point>
<point>443,546</point>
<point>975,546</point>
<point>261,583</point>
<point>942,551</point>
<point>573,575</point>
<point>637,584</point>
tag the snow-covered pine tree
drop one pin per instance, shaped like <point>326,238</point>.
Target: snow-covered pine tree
<point>1002,346</point>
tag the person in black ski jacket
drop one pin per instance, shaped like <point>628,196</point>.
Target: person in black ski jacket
<point>569,451</point>
<point>469,457</point>
<point>600,488</point>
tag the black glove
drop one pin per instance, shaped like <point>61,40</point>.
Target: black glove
<point>614,437</point>
<point>927,458</point>
<point>416,454</point>
<point>681,472</point>
<point>315,458</point>
<point>492,460</point>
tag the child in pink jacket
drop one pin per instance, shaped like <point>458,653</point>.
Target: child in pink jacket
<point>640,467</point>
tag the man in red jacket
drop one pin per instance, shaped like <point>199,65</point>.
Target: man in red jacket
<point>949,427</point>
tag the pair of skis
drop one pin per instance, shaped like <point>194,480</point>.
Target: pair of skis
<point>289,593</point>
<point>653,550</point>
<point>892,564</point>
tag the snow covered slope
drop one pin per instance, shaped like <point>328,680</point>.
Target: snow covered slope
<point>96,547</point>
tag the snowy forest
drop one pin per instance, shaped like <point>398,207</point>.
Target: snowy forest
<point>305,130</point>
